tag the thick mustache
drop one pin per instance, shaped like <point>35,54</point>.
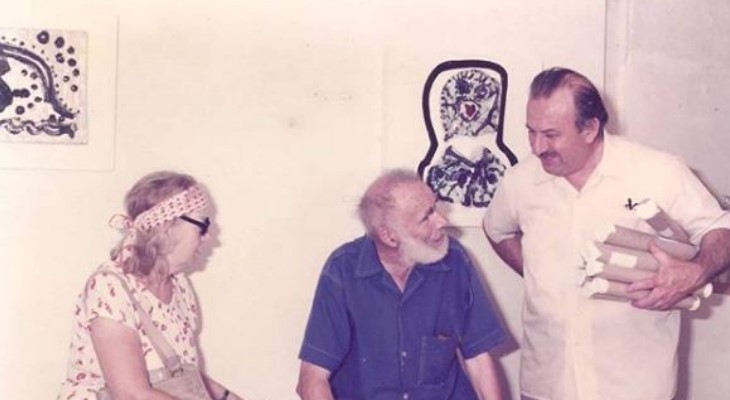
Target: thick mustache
<point>547,154</point>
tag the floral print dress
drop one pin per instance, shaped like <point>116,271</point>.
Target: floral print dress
<point>105,297</point>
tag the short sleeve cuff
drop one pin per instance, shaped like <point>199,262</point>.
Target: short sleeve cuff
<point>496,337</point>
<point>319,357</point>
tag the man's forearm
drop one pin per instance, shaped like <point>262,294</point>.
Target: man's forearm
<point>315,391</point>
<point>314,383</point>
<point>510,251</point>
<point>482,373</point>
<point>714,254</point>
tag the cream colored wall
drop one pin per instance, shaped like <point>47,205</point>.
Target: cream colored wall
<point>667,77</point>
<point>285,110</point>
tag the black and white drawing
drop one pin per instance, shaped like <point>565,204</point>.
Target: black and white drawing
<point>43,86</point>
<point>463,107</point>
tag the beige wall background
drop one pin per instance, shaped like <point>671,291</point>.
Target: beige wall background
<point>285,110</point>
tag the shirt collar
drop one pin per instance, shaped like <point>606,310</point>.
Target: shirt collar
<point>369,264</point>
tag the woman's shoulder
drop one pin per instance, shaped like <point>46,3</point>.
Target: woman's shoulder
<point>106,295</point>
<point>109,274</point>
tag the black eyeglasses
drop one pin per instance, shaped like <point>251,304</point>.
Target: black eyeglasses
<point>202,225</point>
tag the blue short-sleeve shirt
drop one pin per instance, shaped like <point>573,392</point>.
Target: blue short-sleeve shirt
<point>381,344</point>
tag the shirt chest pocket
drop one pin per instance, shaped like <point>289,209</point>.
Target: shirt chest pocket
<point>437,360</point>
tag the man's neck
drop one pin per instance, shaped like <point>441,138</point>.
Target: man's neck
<point>395,266</point>
<point>580,178</point>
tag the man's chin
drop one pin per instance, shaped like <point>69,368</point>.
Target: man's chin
<point>551,168</point>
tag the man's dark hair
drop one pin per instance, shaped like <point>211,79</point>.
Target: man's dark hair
<point>587,100</point>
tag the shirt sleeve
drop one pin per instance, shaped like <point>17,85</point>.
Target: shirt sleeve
<point>327,336</point>
<point>482,327</point>
<point>693,206</point>
<point>500,221</point>
<point>105,297</point>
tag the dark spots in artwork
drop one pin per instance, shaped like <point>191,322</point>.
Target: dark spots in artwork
<point>21,93</point>
<point>43,37</point>
<point>457,179</point>
<point>40,83</point>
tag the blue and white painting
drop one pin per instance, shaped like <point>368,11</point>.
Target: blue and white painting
<point>463,106</point>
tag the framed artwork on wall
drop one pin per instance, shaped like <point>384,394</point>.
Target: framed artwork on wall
<point>57,89</point>
<point>43,86</point>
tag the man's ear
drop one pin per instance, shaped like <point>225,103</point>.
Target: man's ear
<point>387,236</point>
<point>591,130</point>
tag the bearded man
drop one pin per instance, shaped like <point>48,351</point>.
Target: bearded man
<point>396,309</point>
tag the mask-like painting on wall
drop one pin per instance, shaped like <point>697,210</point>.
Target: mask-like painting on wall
<point>43,86</point>
<point>463,107</point>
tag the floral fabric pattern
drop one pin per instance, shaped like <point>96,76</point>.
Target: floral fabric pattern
<point>105,297</point>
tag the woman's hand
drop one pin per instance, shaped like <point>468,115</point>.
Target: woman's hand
<point>218,391</point>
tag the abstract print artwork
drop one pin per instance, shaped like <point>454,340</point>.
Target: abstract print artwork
<point>463,106</point>
<point>43,86</point>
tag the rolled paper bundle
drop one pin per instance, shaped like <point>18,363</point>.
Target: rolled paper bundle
<point>619,290</point>
<point>615,273</point>
<point>619,256</point>
<point>596,269</point>
<point>665,226</point>
<point>624,237</point>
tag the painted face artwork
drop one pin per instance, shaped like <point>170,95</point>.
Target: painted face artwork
<point>463,107</point>
<point>563,149</point>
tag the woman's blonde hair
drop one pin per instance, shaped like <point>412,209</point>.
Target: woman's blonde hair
<point>150,245</point>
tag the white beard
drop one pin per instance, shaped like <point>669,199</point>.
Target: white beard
<point>419,252</point>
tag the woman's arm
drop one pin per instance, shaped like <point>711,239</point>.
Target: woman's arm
<point>121,360</point>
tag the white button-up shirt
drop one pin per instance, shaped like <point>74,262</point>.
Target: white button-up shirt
<point>575,347</point>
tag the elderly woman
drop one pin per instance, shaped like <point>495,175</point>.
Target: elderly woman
<point>111,355</point>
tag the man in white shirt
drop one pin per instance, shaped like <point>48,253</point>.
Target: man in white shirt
<point>551,204</point>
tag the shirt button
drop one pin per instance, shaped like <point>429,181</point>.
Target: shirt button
<point>404,354</point>
<point>405,396</point>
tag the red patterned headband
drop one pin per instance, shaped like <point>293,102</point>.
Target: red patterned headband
<point>172,207</point>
